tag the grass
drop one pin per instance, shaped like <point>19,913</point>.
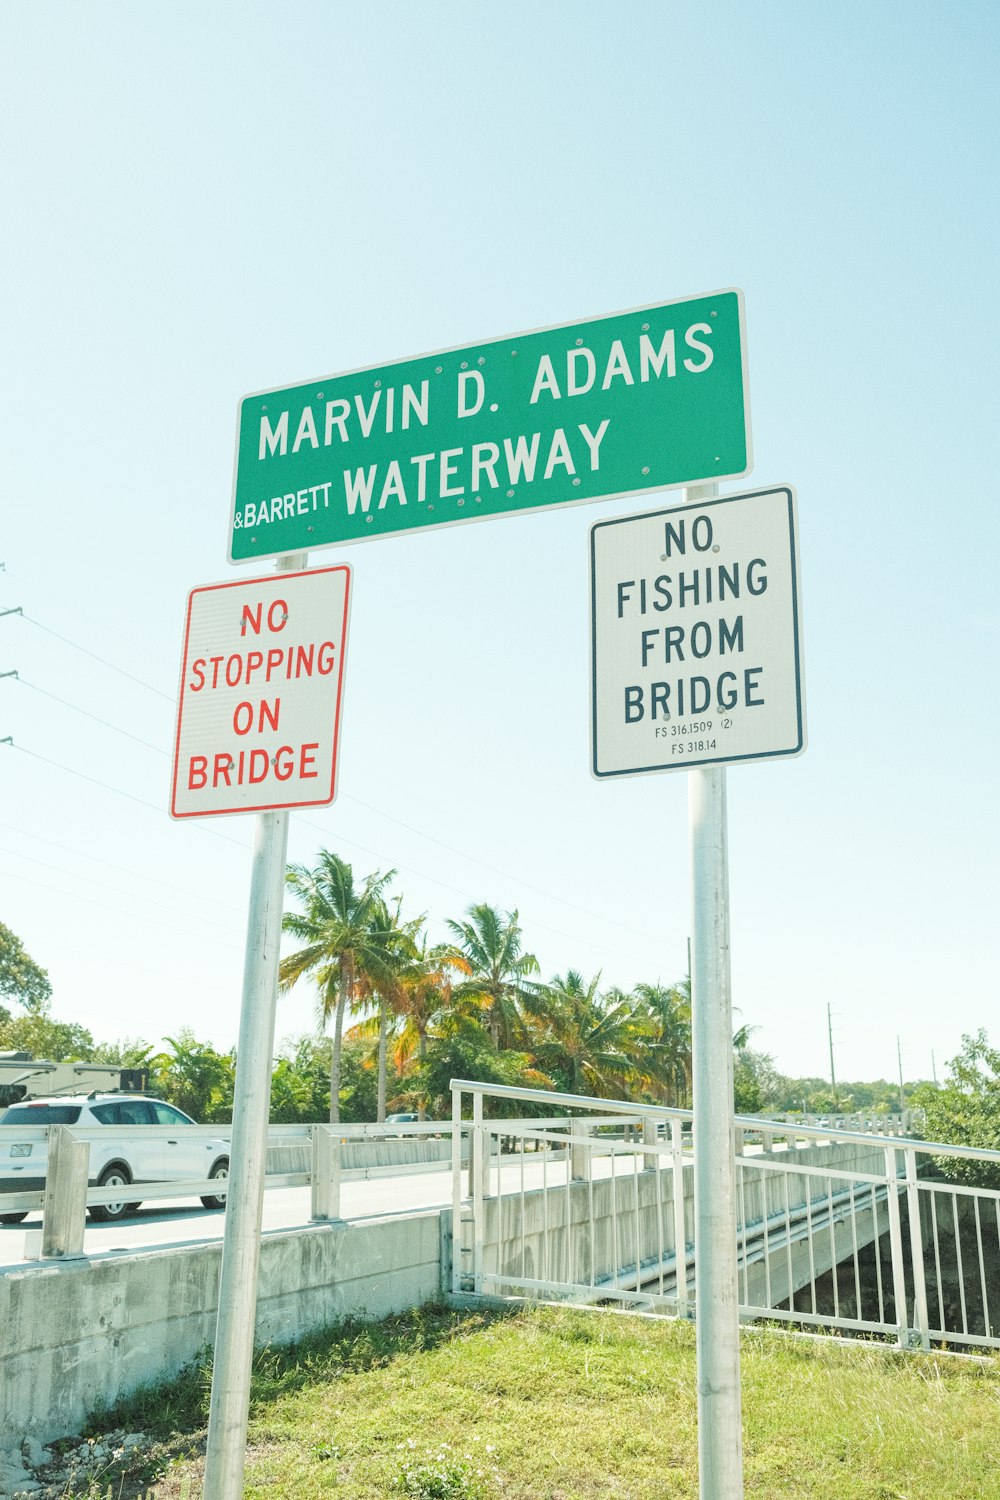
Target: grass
<point>562,1404</point>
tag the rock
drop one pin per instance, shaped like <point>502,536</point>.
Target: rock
<point>37,1455</point>
<point>12,1472</point>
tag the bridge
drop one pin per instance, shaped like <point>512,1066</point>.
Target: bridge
<point>838,1228</point>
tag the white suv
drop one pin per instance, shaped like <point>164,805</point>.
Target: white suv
<point>125,1159</point>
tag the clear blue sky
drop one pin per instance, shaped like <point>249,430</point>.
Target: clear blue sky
<point>201,201</point>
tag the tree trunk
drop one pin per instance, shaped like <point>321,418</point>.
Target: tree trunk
<point>338,1032</point>
<point>422,1054</point>
<point>383,1027</point>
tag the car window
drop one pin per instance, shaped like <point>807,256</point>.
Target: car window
<point>41,1114</point>
<point>135,1112</point>
<point>166,1114</point>
<point>107,1114</point>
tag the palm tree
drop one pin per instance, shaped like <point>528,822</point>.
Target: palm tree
<point>587,1043</point>
<point>491,942</point>
<point>667,1069</point>
<point>387,996</point>
<point>425,995</point>
<point>348,941</point>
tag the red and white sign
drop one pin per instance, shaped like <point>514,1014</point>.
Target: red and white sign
<point>262,680</point>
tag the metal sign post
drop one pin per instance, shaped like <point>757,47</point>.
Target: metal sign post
<point>234,1339</point>
<point>720,1431</point>
<point>227,1424</point>
<point>696,662</point>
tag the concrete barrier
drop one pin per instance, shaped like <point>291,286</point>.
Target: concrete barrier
<point>85,1333</point>
<point>365,1156</point>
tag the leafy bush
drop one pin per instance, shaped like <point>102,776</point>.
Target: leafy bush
<point>966,1111</point>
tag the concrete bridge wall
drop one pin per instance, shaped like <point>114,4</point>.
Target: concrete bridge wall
<point>84,1333</point>
<point>591,1230</point>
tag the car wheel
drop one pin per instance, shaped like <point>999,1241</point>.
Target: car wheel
<point>109,1213</point>
<point>219,1173</point>
<point>13,1218</point>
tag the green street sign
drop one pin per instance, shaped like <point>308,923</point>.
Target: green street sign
<point>618,405</point>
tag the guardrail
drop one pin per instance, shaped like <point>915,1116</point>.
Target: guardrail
<point>321,1157</point>
<point>861,1239</point>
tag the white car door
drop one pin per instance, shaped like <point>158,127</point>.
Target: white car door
<point>186,1153</point>
<point>129,1140</point>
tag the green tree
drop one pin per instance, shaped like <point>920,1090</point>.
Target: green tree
<point>300,1082</point>
<point>349,950</point>
<point>667,1064</point>
<point>130,1052</point>
<point>43,1038</point>
<point>491,941</point>
<point>463,1048</point>
<point>757,1086</point>
<point>965,1111</point>
<point>21,979</point>
<point>192,1075</point>
<point>584,1045</point>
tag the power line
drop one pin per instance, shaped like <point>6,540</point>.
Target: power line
<point>154,806</point>
<point>468,896</point>
<point>89,900</point>
<point>494,869</point>
<point>87,714</point>
<point>506,875</point>
<point>92,654</point>
<point>132,895</point>
<point>420,833</point>
<point>81,614</point>
<point>125,870</point>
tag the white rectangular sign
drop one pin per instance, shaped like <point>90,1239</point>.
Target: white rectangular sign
<point>262,680</point>
<point>696,635</point>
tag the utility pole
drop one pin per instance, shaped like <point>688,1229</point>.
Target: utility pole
<point>833,1074</point>
<point>933,1069</point>
<point>902,1095</point>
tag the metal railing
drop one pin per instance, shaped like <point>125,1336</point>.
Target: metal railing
<point>320,1157</point>
<point>841,1230</point>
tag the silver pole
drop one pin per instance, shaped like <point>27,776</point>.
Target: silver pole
<point>833,1073</point>
<point>720,1431</point>
<point>234,1338</point>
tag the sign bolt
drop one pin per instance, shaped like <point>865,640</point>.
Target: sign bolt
<point>377,384</point>
<point>579,342</point>
<point>464,365</point>
<point>510,494</point>
<point>715,547</point>
<point>645,467</point>
<point>577,479</point>
<point>481,360</point>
